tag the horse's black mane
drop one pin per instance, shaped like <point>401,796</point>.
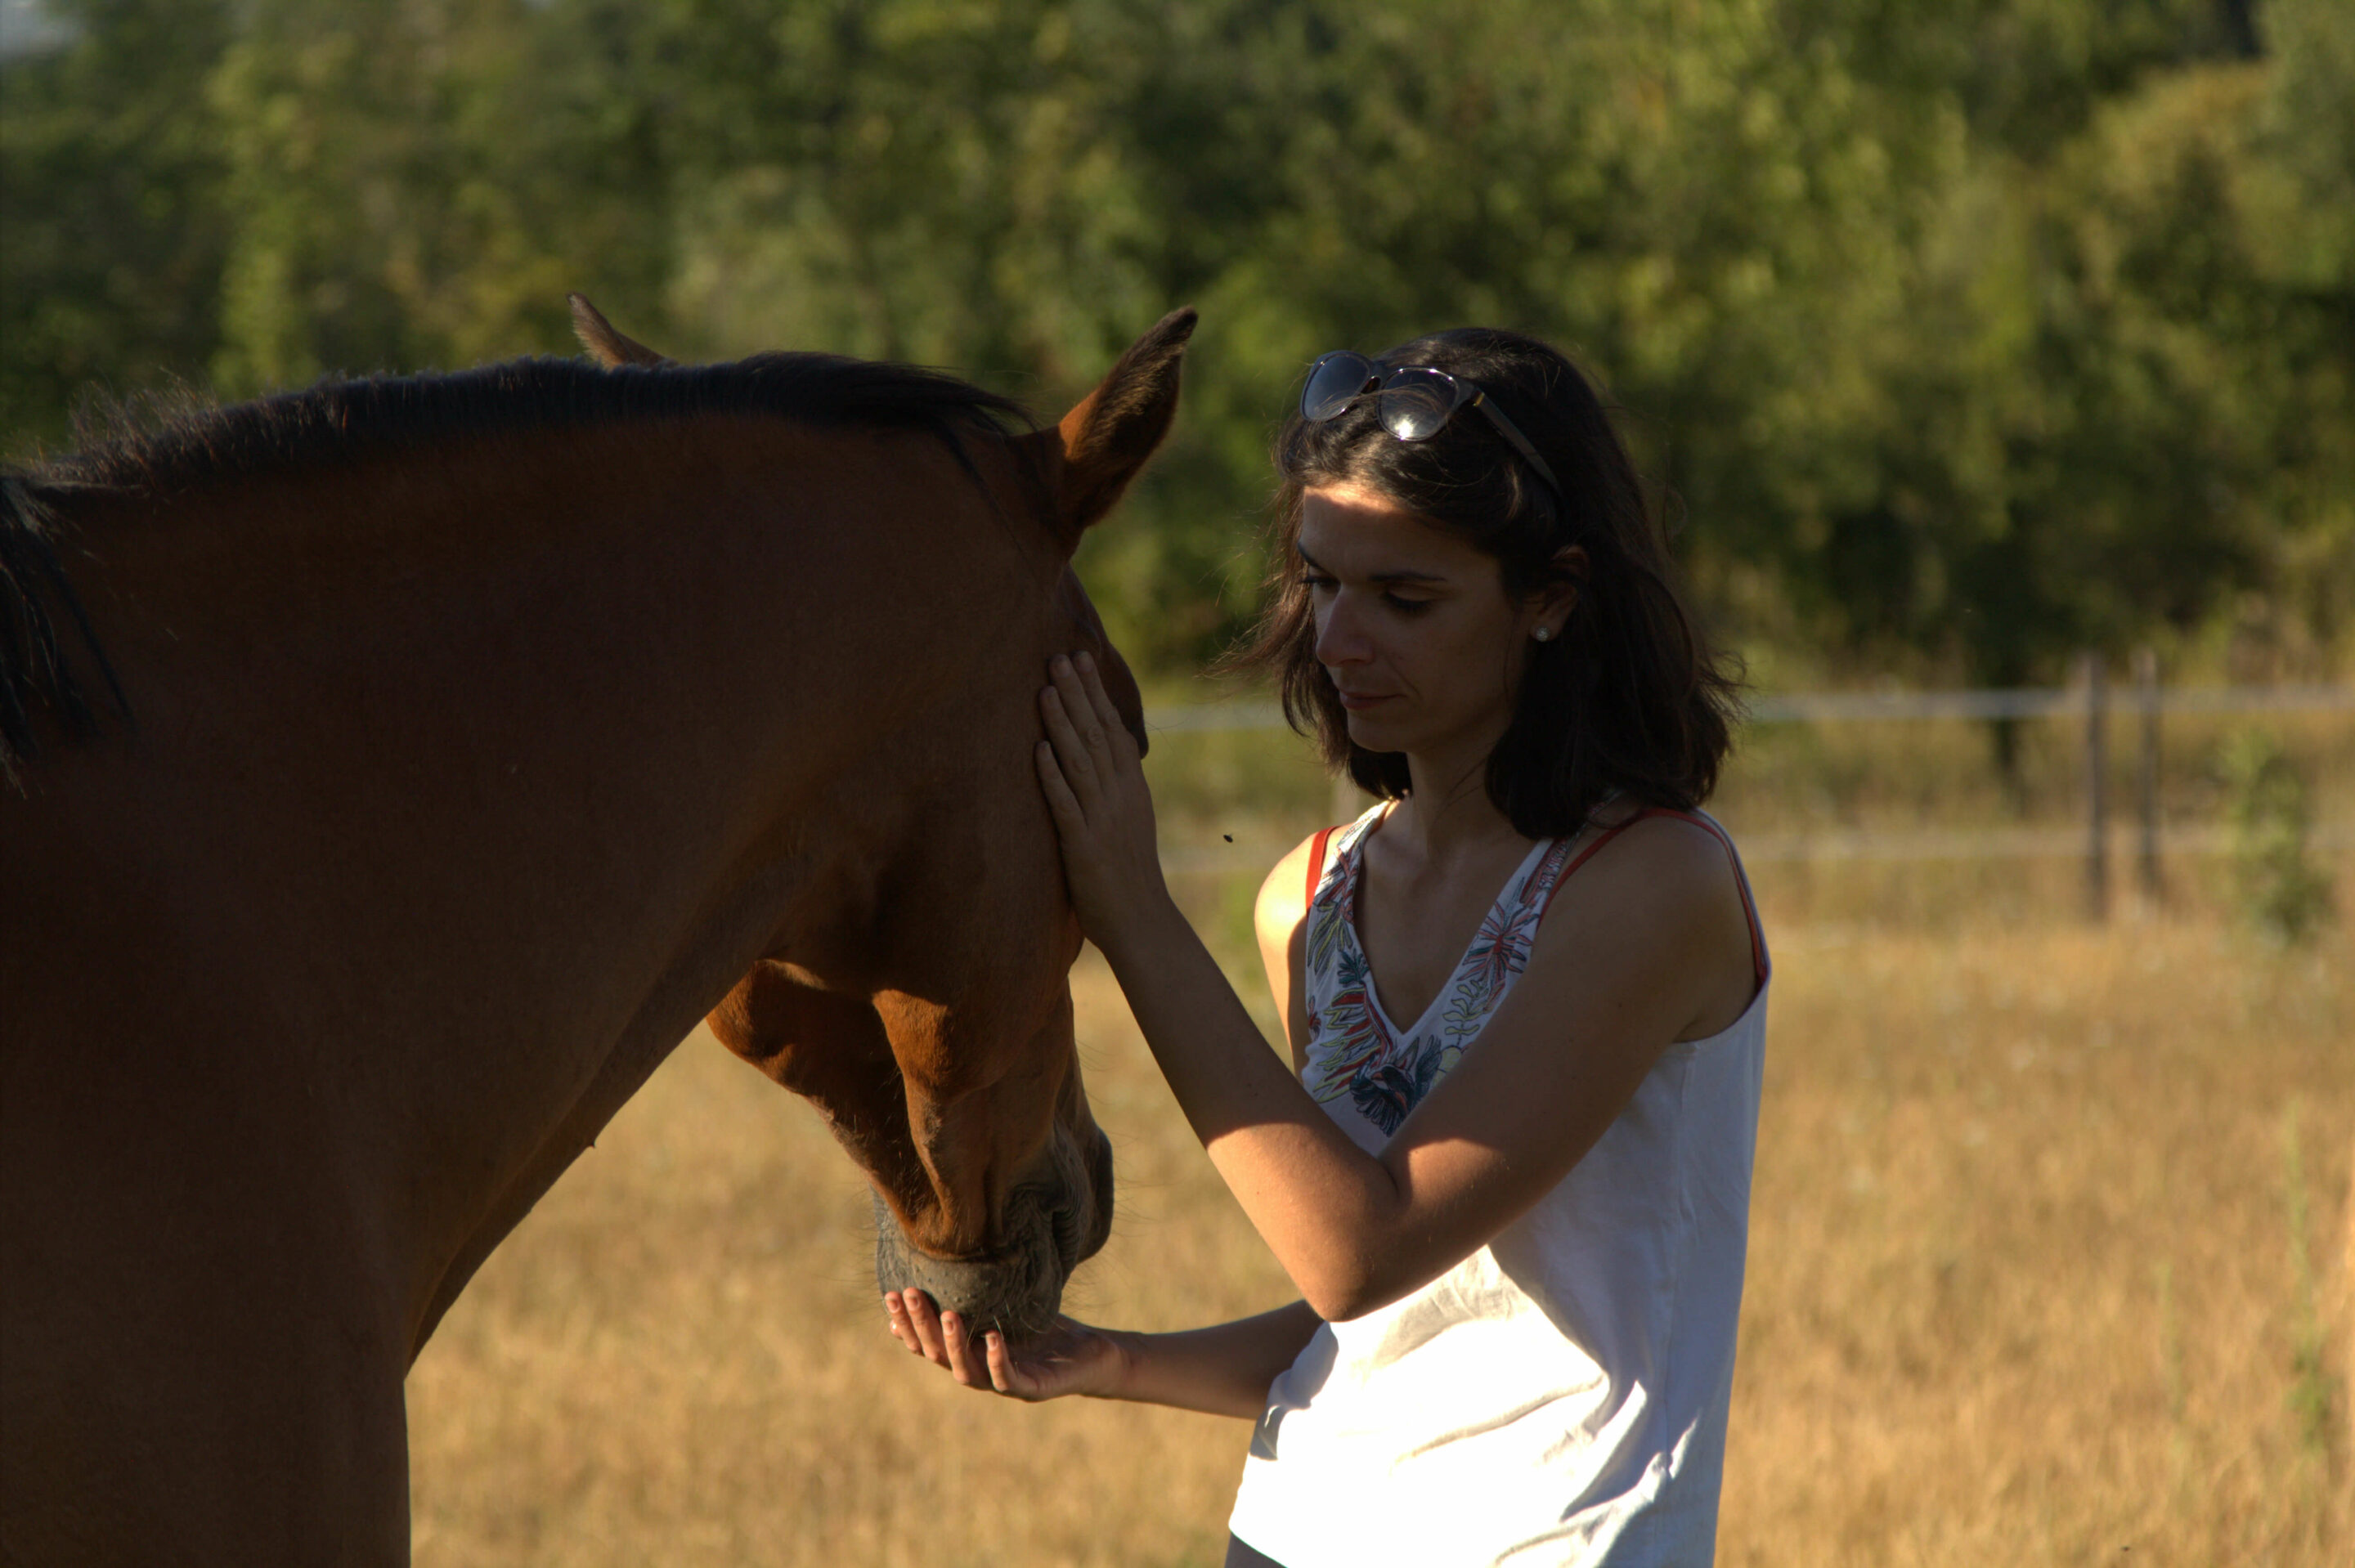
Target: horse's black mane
<point>347,421</point>
<point>344,421</point>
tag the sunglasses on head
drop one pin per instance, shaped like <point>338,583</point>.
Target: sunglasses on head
<point>1414,402</point>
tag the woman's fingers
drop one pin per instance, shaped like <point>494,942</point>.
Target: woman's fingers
<point>1090,712</point>
<point>1061,804</point>
<point>1069,1359</point>
<point>964,1361</point>
<point>1001,1366</point>
<point>942,1339</point>
<point>941,1336</point>
<point>1107,716</point>
<point>1065,675</point>
<point>923,1323</point>
<point>1081,709</point>
<point>903,1328</point>
<point>1070,748</point>
<point>982,1362</point>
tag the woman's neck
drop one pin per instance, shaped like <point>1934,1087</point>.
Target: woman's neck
<point>1447,811</point>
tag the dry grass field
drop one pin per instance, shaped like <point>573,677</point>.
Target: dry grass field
<point>2050,1265</point>
<point>2050,1262</point>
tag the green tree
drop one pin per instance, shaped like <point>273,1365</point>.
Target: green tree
<point>111,209</point>
<point>1964,333</point>
<point>389,212</point>
<point>2117,399</point>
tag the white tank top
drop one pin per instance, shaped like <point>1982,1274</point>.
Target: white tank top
<point>1560,1396</point>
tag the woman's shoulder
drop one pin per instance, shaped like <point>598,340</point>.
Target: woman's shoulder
<point>1666,883</point>
<point>1284,897</point>
<point>1665,831</point>
<point>1670,857</point>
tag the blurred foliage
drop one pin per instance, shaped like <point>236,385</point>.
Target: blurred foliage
<point>2285,894</point>
<point>1960,335</point>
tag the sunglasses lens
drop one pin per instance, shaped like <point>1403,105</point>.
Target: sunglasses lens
<point>1415,403</point>
<point>1334,384</point>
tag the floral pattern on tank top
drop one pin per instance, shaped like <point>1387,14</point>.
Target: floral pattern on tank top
<point>1352,1049</point>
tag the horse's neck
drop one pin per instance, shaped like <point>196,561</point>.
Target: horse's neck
<point>583,602</point>
<point>519,754</point>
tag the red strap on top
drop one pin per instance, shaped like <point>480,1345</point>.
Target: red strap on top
<point>1749,906</point>
<point>1316,863</point>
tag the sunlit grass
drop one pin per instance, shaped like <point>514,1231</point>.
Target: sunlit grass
<point>2049,1264</point>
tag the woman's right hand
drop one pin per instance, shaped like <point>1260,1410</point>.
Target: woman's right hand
<point>1070,1358</point>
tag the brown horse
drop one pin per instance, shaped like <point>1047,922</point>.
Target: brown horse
<point>399,769</point>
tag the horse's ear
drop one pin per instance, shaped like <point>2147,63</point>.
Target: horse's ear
<point>1105,440</point>
<point>606,347</point>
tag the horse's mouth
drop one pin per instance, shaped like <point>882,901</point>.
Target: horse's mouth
<point>1050,1228</point>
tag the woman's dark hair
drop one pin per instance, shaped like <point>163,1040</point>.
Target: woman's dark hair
<point>1630,697</point>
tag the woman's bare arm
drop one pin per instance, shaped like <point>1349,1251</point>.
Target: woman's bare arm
<point>1611,982</point>
<point>1223,1370</point>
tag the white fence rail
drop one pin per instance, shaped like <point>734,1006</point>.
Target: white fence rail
<point>2087,699</point>
<point>2027,702</point>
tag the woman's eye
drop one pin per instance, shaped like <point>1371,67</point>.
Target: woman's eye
<point>1406,605</point>
<point>1315,583</point>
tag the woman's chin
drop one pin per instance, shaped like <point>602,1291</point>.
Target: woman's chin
<point>1370,731</point>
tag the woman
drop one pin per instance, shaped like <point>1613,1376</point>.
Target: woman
<point>1511,1177</point>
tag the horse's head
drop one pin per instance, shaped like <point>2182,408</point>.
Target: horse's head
<point>928,1014</point>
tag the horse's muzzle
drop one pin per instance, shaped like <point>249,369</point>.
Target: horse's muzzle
<point>1050,1227</point>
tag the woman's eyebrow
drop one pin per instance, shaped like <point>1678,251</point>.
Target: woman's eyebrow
<point>1438,578</point>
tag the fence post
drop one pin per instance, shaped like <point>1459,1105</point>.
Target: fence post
<point>2097,826</point>
<point>2145,678</point>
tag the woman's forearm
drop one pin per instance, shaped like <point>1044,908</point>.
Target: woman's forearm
<point>1322,1205</point>
<point>1221,1370</point>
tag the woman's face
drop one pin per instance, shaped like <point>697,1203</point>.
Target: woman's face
<point>1413,626</point>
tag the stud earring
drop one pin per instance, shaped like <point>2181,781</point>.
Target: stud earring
<point>1542,634</point>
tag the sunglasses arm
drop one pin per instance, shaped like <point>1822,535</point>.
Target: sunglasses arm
<point>1520,442</point>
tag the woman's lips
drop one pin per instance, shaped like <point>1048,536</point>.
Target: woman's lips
<point>1357,702</point>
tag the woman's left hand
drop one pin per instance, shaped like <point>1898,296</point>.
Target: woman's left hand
<point>1070,1358</point>
<point>1094,781</point>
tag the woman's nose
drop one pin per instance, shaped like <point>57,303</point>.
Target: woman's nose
<point>1338,641</point>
